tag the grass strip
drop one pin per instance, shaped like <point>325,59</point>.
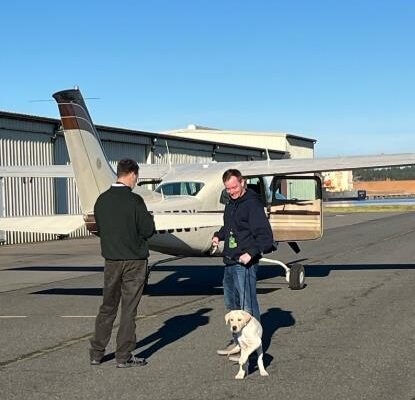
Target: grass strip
<point>371,208</point>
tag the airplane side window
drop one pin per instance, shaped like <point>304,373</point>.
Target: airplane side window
<point>179,188</point>
<point>294,189</point>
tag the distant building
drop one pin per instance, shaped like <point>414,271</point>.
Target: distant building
<point>294,146</point>
<point>337,181</point>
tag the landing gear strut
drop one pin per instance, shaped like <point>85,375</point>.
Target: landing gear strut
<point>294,273</point>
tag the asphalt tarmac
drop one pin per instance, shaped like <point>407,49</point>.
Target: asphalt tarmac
<point>349,334</point>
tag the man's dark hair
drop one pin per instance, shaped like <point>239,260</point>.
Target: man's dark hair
<point>229,173</point>
<point>125,166</point>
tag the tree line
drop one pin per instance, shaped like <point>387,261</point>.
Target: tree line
<point>383,174</point>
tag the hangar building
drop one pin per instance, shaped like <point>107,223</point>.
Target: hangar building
<point>294,146</point>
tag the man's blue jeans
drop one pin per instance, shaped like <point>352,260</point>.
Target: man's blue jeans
<point>239,289</point>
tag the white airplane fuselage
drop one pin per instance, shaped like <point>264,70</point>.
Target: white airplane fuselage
<point>187,241</point>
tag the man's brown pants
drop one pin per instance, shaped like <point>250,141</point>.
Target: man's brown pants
<point>123,280</point>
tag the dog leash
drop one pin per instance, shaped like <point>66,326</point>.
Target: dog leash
<point>250,292</point>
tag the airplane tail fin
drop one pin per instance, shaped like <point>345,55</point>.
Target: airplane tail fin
<point>92,171</point>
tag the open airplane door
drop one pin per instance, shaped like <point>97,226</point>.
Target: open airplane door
<point>293,205</point>
<point>294,208</point>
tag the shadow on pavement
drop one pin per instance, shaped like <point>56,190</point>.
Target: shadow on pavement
<point>186,280</point>
<point>321,270</point>
<point>172,330</point>
<point>271,321</point>
<point>61,268</point>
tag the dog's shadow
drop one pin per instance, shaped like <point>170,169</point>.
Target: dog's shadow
<point>271,321</point>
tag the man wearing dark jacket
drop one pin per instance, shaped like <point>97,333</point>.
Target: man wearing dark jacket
<point>123,225</point>
<point>247,235</point>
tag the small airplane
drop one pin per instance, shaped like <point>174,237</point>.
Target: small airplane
<point>189,200</point>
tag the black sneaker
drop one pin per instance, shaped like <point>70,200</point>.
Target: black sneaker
<point>133,362</point>
<point>95,362</point>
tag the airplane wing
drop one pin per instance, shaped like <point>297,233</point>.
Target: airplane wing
<point>247,168</point>
<point>152,171</point>
<point>290,166</point>
<point>298,166</point>
<point>53,224</point>
<point>65,224</point>
<point>147,171</point>
<point>37,171</point>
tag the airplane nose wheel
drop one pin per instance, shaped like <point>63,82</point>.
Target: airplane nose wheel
<point>296,276</point>
<point>294,273</point>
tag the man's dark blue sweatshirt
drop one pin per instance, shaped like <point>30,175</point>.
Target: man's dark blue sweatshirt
<point>245,218</point>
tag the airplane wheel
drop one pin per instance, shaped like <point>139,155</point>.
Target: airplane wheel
<point>297,276</point>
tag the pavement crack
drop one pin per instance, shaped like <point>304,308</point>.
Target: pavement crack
<point>368,291</point>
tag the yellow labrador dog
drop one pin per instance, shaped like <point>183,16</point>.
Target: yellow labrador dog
<point>249,333</point>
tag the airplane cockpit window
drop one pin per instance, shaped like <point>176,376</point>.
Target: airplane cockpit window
<point>179,188</point>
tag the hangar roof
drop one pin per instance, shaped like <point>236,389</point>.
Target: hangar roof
<point>277,141</point>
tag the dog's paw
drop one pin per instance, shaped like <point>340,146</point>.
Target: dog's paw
<point>264,373</point>
<point>240,375</point>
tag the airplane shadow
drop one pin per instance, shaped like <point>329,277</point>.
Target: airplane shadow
<point>173,329</point>
<point>272,320</point>
<point>189,280</point>
<point>193,280</point>
<point>71,291</point>
<point>196,280</point>
<point>60,268</point>
<point>321,270</point>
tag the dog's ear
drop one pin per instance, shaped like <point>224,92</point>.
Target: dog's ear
<point>246,316</point>
<point>227,317</point>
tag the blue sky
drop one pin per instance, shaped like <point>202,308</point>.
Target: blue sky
<point>342,72</point>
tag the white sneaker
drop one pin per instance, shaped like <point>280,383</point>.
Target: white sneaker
<point>231,348</point>
<point>235,357</point>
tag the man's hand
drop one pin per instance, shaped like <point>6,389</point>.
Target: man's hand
<point>214,246</point>
<point>245,258</point>
<point>215,241</point>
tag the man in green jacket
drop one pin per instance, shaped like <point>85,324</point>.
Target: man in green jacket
<point>123,225</point>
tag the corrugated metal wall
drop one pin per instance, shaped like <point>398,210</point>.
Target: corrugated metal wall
<point>2,210</point>
<point>26,143</point>
<point>299,148</point>
<point>180,153</point>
